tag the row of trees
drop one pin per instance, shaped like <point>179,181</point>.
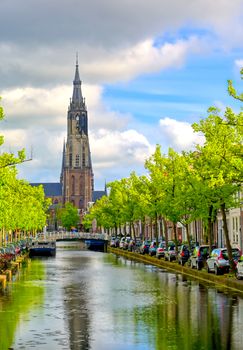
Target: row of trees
<point>22,207</point>
<point>183,187</point>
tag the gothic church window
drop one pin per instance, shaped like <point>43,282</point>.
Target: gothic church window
<point>81,202</point>
<point>70,159</point>
<point>80,184</point>
<point>77,160</point>
<point>83,156</point>
<point>83,159</point>
<point>73,185</point>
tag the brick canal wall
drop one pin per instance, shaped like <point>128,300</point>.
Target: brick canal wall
<point>225,281</point>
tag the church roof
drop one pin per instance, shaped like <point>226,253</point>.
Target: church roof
<point>51,189</point>
<point>97,195</point>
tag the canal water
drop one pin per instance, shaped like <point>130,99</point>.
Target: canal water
<point>90,300</point>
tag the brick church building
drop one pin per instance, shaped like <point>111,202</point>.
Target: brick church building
<point>77,179</point>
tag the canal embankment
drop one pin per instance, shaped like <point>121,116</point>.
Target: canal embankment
<point>14,266</point>
<point>224,281</point>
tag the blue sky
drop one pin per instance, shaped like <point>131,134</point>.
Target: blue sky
<point>149,70</point>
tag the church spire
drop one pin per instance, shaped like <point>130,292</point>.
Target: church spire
<point>77,93</point>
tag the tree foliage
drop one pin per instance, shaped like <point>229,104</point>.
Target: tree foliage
<point>182,187</point>
<point>22,206</point>
<point>68,216</point>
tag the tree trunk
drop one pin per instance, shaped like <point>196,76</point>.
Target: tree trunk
<point>156,228</point>
<point>175,236</point>
<point>209,228</point>
<point>133,231</point>
<point>151,229</point>
<point>143,229</point>
<point>161,228</point>
<point>226,233</point>
<point>188,236</point>
<point>166,233</point>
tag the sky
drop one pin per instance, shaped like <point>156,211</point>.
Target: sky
<point>149,69</point>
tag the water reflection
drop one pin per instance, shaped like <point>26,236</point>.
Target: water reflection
<point>22,296</point>
<point>87,300</point>
<point>76,306</point>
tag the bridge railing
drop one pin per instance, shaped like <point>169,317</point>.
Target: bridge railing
<point>75,235</point>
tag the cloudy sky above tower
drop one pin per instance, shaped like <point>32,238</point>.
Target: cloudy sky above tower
<point>149,70</point>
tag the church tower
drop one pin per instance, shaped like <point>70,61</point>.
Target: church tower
<point>77,174</point>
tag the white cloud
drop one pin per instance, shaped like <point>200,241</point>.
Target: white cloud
<point>239,63</point>
<point>124,148</point>
<point>142,58</point>
<point>14,139</point>
<point>97,65</point>
<point>179,135</point>
<point>47,107</point>
<point>42,117</point>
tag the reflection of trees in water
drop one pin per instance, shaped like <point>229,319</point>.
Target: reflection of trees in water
<point>76,302</point>
<point>184,315</point>
<point>19,299</point>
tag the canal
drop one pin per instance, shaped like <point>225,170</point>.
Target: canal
<point>90,300</point>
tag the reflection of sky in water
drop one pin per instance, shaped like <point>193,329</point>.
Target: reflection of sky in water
<point>99,301</point>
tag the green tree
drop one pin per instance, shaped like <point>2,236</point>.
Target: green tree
<point>69,216</point>
<point>167,175</point>
<point>22,207</point>
<point>232,91</point>
<point>220,162</point>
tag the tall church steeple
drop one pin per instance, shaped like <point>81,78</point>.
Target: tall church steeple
<point>77,176</point>
<point>77,92</point>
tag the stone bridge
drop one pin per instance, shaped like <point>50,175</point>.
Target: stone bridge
<point>93,241</point>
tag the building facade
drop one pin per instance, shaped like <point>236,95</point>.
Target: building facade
<point>77,177</point>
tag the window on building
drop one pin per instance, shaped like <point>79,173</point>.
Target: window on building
<point>80,185</point>
<point>70,159</point>
<point>73,185</point>
<point>77,160</point>
<point>83,159</point>
<point>81,202</point>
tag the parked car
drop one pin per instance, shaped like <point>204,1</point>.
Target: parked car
<point>160,251</point>
<point>126,242</point>
<point>114,242</point>
<point>239,269</point>
<point>144,247</point>
<point>218,262</point>
<point>121,243</point>
<point>170,253</point>
<point>133,245</point>
<point>152,248</point>
<point>199,256</point>
<point>183,254</point>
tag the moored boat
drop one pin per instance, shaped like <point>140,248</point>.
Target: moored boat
<point>95,244</point>
<point>42,247</point>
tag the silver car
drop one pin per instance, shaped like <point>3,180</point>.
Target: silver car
<point>218,262</point>
<point>239,270</point>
